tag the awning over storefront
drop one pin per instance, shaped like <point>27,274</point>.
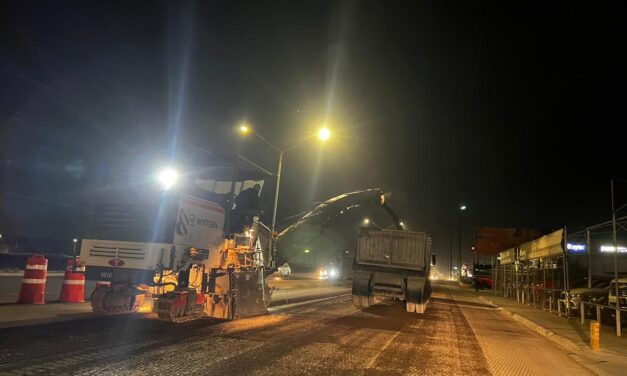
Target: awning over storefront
<point>507,257</point>
<point>546,246</point>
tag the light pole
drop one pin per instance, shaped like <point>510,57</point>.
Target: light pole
<point>323,134</point>
<point>74,248</point>
<point>462,208</point>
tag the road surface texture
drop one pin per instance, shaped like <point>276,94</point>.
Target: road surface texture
<point>457,336</point>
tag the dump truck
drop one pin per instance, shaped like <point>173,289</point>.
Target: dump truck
<point>392,265</point>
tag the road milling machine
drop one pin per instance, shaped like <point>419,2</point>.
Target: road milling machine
<point>176,244</point>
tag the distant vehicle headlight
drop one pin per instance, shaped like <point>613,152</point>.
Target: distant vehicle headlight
<point>333,272</point>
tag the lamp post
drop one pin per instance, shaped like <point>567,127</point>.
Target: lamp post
<point>323,134</point>
<point>74,247</point>
<point>462,208</point>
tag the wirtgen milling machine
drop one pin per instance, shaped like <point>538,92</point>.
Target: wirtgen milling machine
<point>185,251</point>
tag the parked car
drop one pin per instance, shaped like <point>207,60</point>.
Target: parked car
<point>622,292</point>
<point>597,294</point>
<point>622,299</point>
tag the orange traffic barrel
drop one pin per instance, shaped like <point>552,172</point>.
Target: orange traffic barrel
<point>73,290</point>
<point>33,289</point>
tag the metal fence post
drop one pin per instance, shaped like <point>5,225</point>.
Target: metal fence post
<point>582,313</point>
<point>618,328</point>
<point>551,303</point>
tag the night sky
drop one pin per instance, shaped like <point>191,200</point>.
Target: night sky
<point>515,110</point>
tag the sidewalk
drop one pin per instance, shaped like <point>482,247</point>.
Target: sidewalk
<point>27,314</point>
<point>569,334</point>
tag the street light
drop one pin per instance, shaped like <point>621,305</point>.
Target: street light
<point>462,208</point>
<point>323,134</point>
<point>244,128</point>
<point>368,221</point>
<point>74,248</point>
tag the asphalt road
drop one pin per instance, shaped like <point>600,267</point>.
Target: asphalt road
<point>457,336</point>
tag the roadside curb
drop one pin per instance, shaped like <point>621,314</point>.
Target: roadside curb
<point>549,334</point>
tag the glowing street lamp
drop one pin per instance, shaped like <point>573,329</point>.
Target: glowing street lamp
<point>74,248</point>
<point>244,129</point>
<point>366,221</point>
<point>323,134</point>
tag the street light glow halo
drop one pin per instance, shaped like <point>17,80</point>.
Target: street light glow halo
<point>244,129</point>
<point>324,134</point>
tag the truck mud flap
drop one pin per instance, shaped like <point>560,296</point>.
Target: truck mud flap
<point>361,290</point>
<point>361,283</point>
<point>418,294</point>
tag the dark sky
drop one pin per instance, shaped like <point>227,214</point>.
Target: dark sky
<point>514,109</point>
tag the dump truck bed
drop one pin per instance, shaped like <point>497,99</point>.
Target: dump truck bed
<point>393,249</point>
<point>392,264</point>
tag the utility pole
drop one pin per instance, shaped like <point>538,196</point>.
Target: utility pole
<point>450,261</point>
<point>459,247</point>
<point>618,312</point>
<point>462,208</point>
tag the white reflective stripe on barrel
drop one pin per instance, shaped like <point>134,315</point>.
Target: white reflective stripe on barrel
<point>37,267</point>
<point>74,282</point>
<point>81,269</point>
<point>34,281</point>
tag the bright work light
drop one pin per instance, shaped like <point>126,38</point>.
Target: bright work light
<point>167,177</point>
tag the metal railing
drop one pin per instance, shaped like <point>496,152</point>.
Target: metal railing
<point>598,309</point>
<point>552,300</point>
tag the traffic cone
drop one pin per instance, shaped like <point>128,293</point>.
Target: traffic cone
<point>73,290</point>
<point>33,290</point>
